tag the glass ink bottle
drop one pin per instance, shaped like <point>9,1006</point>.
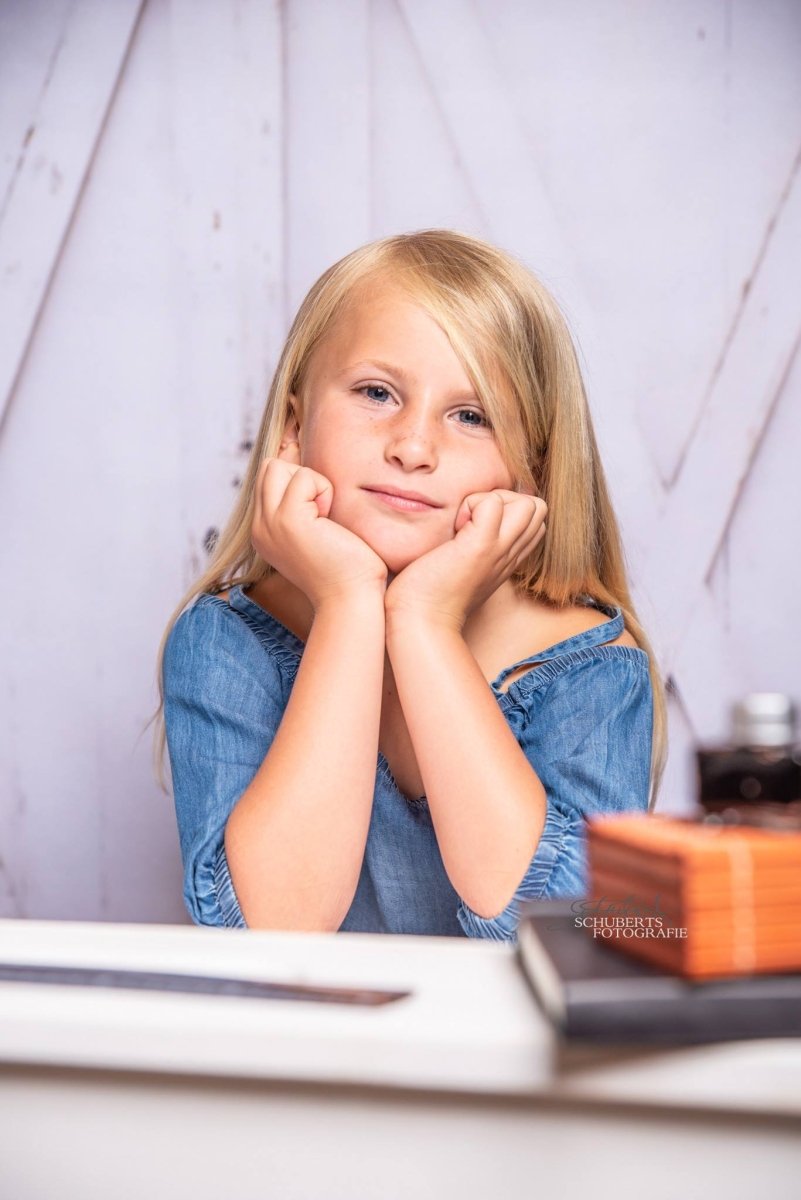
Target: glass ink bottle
<point>756,777</point>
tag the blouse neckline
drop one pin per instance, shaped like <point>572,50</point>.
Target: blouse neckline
<point>237,599</point>
<point>606,631</point>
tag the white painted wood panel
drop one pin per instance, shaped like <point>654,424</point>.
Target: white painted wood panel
<point>54,154</point>
<point>216,156</point>
<point>29,37</point>
<point>121,447</point>
<point>327,137</point>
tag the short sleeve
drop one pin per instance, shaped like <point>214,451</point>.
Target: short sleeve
<point>587,732</point>
<point>222,706</point>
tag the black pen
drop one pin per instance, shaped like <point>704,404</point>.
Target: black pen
<point>210,985</point>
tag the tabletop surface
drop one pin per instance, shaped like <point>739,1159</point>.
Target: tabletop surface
<point>471,1024</point>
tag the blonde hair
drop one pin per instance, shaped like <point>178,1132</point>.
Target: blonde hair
<point>514,344</point>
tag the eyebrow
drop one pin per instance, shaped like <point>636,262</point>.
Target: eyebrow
<point>382,366</point>
<point>401,374</point>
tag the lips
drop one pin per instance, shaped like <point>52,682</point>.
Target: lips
<point>404,500</point>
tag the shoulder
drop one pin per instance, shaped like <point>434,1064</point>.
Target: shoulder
<point>538,625</point>
<point>590,680</point>
<point>611,666</point>
<point>532,633</point>
<point>625,639</point>
<point>205,621</point>
<point>211,641</point>
<point>599,688</point>
<point>578,618</point>
<point>593,708</point>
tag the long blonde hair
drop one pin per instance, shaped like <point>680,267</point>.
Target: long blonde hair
<point>514,343</point>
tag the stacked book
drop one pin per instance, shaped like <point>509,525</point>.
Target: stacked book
<point>690,932</point>
<point>701,900</point>
<point>593,994</point>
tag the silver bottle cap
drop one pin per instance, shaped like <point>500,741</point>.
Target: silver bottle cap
<point>764,719</point>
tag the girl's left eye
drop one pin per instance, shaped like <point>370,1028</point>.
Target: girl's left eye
<point>478,420</point>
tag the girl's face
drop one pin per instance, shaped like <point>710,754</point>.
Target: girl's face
<point>391,419</point>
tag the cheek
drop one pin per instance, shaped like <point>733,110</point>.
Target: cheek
<point>487,474</point>
<point>334,449</point>
<point>321,454</point>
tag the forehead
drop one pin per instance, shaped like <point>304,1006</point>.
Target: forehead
<point>379,316</point>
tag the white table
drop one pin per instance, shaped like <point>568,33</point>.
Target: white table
<point>459,1090</point>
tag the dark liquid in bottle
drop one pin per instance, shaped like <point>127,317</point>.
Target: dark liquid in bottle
<point>741,775</point>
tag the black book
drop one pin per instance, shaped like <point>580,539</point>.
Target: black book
<point>593,992</point>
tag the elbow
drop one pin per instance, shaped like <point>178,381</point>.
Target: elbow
<point>286,918</point>
<point>500,928</point>
<point>490,893</point>
<point>557,870</point>
<point>490,903</point>
<point>284,908</point>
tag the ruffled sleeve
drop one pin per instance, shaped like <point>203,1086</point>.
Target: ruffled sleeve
<point>223,703</point>
<point>587,732</point>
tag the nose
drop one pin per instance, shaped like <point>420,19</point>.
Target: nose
<point>411,443</point>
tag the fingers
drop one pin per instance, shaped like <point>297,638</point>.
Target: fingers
<point>509,517</point>
<point>464,513</point>
<point>509,525</point>
<point>277,477</point>
<point>529,527</point>
<point>523,546</point>
<point>280,482</point>
<point>484,510</point>
<point>307,488</point>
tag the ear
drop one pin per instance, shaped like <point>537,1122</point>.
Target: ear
<point>292,426</point>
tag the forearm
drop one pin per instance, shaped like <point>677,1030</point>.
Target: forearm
<point>295,840</point>
<point>487,804</point>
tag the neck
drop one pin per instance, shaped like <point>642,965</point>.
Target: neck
<point>503,601</point>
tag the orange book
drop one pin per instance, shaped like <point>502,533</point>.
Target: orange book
<point>697,892</point>
<point>700,899</point>
<point>772,921</point>
<point>782,884</point>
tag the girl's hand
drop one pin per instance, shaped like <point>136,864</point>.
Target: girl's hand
<point>494,533</point>
<point>291,531</point>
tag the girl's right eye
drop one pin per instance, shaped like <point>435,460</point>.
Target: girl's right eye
<point>374,387</point>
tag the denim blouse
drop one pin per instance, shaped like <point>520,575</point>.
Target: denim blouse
<point>582,717</point>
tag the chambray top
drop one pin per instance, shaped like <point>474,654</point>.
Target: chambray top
<point>583,718</point>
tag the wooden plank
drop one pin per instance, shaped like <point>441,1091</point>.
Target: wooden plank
<point>30,38</point>
<point>759,352</point>
<point>487,131</point>
<point>709,666</point>
<point>326,137</point>
<point>55,156</point>
<point>747,386</point>
<point>120,450</point>
<point>758,356</point>
<point>224,128</point>
<point>204,265</point>
<point>417,178</point>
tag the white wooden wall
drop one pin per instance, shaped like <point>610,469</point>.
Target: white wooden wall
<point>174,174</point>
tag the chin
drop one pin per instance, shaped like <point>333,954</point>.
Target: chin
<point>397,552</point>
<point>397,562</point>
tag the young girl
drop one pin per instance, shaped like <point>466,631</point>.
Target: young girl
<point>400,690</point>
